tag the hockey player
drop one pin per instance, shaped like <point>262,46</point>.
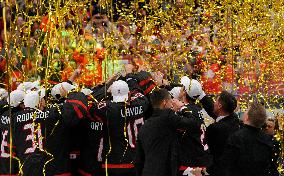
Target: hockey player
<point>40,133</point>
<point>7,167</point>
<point>94,128</point>
<point>91,153</point>
<point>194,152</point>
<point>123,116</point>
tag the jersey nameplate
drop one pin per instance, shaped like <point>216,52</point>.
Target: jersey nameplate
<point>31,116</point>
<point>133,111</point>
<point>97,126</point>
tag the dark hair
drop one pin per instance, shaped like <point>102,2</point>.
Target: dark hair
<point>157,96</point>
<point>257,114</point>
<point>228,102</point>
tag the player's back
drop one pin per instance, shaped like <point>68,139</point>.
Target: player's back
<point>6,167</point>
<point>123,121</point>
<point>193,148</point>
<point>91,154</point>
<point>40,140</point>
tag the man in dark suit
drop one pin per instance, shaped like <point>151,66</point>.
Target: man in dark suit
<point>156,147</point>
<point>248,151</point>
<point>226,123</point>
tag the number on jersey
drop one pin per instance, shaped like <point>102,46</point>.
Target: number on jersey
<point>202,137</point>
<point>132,131</point>
<point>35,137</point>
<point>4,145</point>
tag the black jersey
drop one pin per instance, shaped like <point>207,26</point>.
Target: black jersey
<point>92,152</point>
<point>193,148</point>
<point>41,137</point>
<point>123,121</point>
<point>77,142</point>
<point>7,168</point>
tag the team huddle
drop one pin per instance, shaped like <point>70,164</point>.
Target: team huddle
<point>133,124</point>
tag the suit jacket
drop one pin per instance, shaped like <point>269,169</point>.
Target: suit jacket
<point>247,153</point>
<point>217,135</point>
<point>156,147</point>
